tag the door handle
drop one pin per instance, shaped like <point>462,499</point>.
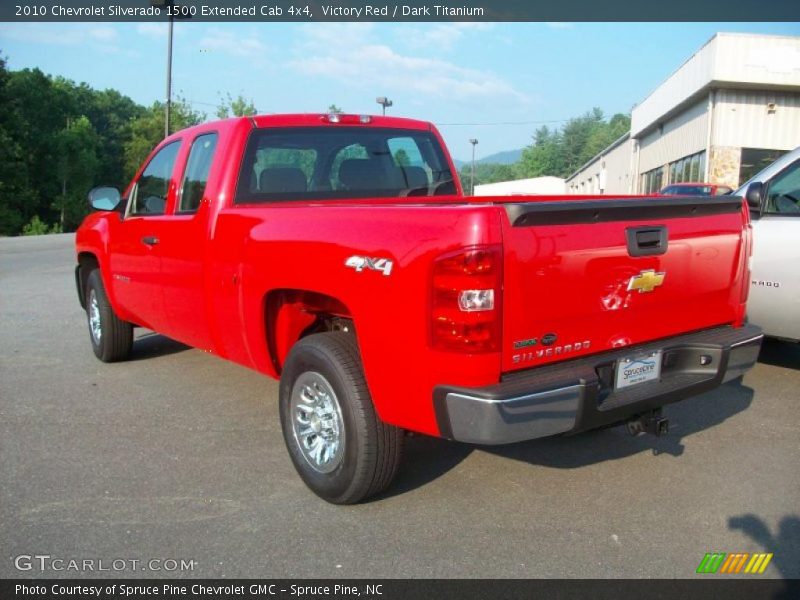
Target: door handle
<point>149,240</point>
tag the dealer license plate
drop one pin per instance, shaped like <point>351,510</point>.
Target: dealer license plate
<point>638,369</point>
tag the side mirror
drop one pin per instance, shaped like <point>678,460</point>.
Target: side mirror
<point>754,195</point>
<point>104,198</point>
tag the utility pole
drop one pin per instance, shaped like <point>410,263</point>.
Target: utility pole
<point>169,73</point>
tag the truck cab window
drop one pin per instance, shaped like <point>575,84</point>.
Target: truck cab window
<point>333,162</point>
<point>149,197</point>
<point>197,167</point>
<point>783,195</point>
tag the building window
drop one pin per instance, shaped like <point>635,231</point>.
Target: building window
<point>689,168</point>
<point>755,159</point>
<point>652,180</point>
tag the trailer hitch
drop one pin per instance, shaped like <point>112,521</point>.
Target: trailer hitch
<point>650,422</point>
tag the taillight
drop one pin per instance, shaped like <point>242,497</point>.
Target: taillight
<point>465,308</point>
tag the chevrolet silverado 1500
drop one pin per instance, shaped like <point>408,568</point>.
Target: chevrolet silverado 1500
<point>339,254</point>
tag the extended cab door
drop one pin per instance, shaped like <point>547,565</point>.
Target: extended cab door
<point>774,302</point>
<point>134,257</point>
<point>183,246</point>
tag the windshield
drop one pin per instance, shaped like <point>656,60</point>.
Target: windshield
<point>322,163</point>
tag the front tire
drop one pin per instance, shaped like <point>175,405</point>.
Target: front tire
<point>341,449</point>
<point>111,337</point>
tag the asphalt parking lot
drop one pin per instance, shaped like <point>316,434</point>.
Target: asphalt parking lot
<point>178,455</point>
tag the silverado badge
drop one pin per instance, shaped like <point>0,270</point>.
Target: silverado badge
<point>646,281</point>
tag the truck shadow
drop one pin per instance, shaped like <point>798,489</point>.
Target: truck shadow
<point>784,544</point>
<point>779,353</point>
<point>151,345</point>
<point>426,458</point>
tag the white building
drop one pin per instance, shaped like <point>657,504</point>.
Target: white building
<point>538,185</point>
<point>730,109</point>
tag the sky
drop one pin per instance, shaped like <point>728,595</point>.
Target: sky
<point>497,82</point>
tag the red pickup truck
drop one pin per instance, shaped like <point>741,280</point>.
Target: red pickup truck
<point>339,254</point>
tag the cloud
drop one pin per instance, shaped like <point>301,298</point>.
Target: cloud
<point>559,25</point>
<point>47,33</point>
<point>348,53</point>
<point>100,37</point>
<point>442,36</point>
<point>158,30</point>
<point>231,43</point>
<point>103,33</point>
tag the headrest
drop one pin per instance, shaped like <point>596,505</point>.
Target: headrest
<point>416,177</point>
<point>282,179</point>
<point>361,174</point>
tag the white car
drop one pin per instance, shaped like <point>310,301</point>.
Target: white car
<point>774,198</point>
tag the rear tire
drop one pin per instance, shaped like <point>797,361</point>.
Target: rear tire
<point>111,337</point>
<point>341,449</point>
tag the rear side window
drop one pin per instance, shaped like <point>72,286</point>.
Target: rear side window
<point>197,167</point>
<point>319,163</point>
<point>152,188</point>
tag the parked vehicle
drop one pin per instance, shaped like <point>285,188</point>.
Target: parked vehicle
<point>774,194</point>
<point>338,253</point>
<point>695,189</point>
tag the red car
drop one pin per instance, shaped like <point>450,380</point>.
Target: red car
<point>338,253</point>
<point>695,189</point>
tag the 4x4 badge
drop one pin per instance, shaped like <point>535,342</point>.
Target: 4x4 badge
<point>359,263</point>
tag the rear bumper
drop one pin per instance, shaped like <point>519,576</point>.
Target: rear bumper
<point>579,394</point>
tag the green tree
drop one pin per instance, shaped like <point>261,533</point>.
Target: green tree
<point>59,138</point>
<point>543,157</point>
<point>235,107</point>
<point>487,173</point>
<point>561,153</point>
<point>334,110</point>
<point>575,136</point>
<point>76,168</point>
<point>36,227</point>
<point>111,115</point>
<point>40,110</point>
<point>401,158</point>
<point>147,130</point>
<point>16,196</point>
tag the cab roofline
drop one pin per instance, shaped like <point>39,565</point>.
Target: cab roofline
<point>319,119</point>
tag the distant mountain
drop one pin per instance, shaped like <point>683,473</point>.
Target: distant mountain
<point>507,157</point>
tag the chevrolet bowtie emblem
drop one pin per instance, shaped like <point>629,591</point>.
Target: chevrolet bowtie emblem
<point>646,281</point>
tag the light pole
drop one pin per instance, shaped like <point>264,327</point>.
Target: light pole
<point>474,143</point>
<point>168,5</point>
<point>169,74</point>
<point>384,102</point>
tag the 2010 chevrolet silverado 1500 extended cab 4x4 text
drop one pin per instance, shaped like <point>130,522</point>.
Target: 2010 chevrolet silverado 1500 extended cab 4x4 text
<point>338,253</point>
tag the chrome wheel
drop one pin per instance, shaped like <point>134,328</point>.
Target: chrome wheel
<point>317,422</point>
<point>94,318</point>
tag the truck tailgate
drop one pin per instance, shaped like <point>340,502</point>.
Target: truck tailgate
<point>585,276</point>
